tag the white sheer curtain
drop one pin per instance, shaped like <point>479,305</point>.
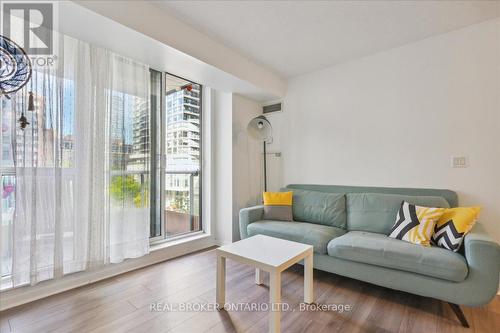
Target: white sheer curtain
<point>129,181</point>
<point>82,165</point>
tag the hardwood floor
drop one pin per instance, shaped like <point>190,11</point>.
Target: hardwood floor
<point>122,304</point>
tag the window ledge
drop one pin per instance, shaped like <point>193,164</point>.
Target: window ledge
<point>181,240</point>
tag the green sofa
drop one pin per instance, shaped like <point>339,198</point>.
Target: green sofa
<point>348,227</point>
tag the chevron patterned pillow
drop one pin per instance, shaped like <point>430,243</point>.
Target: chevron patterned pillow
<point>453,225</point>
<point>415,224</point>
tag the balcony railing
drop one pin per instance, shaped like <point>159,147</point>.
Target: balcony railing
<point>181,208</point>
<point>183,217</point>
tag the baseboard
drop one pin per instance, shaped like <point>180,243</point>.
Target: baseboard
<point>18,296</point>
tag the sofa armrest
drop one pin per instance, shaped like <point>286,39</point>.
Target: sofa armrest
<point>483,257</point>
<point>247,216</point>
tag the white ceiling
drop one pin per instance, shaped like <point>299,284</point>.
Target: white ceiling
<point>123,38</point>
<point>296,37</point>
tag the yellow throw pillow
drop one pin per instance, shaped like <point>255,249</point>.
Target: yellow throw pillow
<point>415,224</point>
<point>278,198</point>
<point>453,225</point>
<point>278,206</point>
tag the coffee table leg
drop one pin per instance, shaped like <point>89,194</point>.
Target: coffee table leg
<point>221,281</point>
<point>308,279</point>
<point>258,276</point>
<point>275,300</point>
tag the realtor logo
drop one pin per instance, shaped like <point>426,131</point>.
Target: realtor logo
<point>30,25</point>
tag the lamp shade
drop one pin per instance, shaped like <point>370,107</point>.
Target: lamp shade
<point>259,128</point>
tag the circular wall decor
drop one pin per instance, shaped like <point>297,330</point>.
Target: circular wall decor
<point>15,66</point>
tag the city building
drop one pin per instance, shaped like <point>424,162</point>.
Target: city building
<point>139,154</point>
<point>183,158</point>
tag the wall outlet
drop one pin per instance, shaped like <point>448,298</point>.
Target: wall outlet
<point>459,161</point>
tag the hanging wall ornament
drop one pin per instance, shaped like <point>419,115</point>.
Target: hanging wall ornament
<point>15,67</point>
<point>15,71</point>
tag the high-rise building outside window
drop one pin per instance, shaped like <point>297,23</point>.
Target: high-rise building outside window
<point>183,159</point>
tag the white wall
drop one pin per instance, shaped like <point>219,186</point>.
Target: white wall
<point>247,159</point>
<point>274,153</point>
<point>395,118</point>
<point>238,162</point>
<point>222,165</point>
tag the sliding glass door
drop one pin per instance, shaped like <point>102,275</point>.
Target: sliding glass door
<point>178,187</point>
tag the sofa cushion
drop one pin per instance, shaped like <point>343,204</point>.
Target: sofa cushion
<point>320,208</point>
<point>453,225</point>
<point>278,206</point>
<point>375,212</point>
<point>415,224</point>
<point>380,250</point>
<point>313,234</point>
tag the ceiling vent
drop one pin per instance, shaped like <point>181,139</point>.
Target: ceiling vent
<point>271,108</point>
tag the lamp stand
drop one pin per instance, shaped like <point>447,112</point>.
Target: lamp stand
<point>265,168</point>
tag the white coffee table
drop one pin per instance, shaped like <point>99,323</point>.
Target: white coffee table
<point>272,255</point>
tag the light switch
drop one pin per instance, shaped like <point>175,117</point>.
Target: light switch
<point>459,162</point>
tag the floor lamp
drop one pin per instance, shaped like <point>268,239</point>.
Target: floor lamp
<point>259,128</point>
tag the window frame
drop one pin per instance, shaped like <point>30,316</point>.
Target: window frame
<point>162,165</point>
<point>156,153</point>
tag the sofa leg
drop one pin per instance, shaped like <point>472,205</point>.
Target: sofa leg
<point>460,314</point>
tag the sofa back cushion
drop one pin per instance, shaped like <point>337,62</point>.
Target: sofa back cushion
<point>319,207</point>
<point>450,196</point>
<point>376,212</point>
